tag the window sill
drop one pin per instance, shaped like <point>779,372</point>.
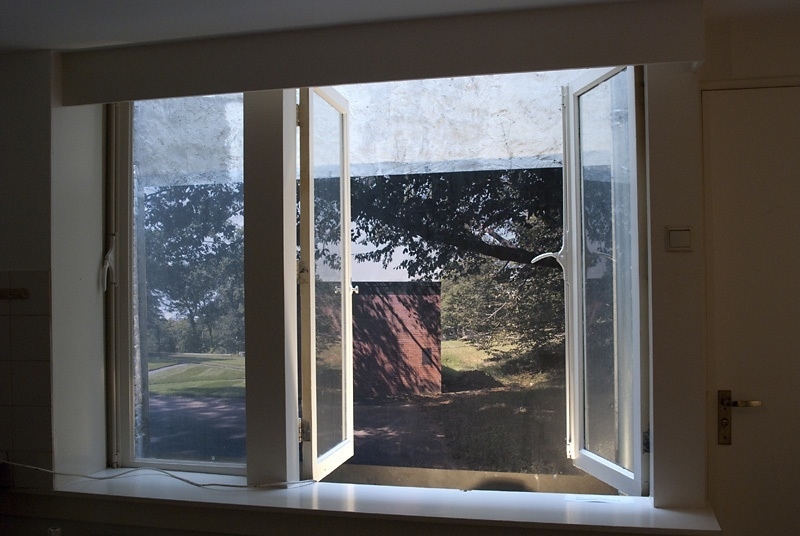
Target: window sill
<point>522,509</point>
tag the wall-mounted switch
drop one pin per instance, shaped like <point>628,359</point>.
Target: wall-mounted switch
<point>678,238</point>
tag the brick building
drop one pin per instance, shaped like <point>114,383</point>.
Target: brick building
<point>397,339</point>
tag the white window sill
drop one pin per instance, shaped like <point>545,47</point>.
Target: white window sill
<point>533,510</point>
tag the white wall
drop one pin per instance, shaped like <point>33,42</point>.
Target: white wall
<point>675,194</point>
<point>77,298</point>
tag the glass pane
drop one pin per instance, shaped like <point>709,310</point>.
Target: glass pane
<point>330,287</point>
<point>188,279</point>
<point>608,267</point>
<point>458,341</point>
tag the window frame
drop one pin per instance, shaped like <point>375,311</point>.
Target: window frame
<point>315,464</point>
<point>633,481</point>
<point>264,110</point>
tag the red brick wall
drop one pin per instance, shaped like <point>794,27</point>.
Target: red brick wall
<point>397,339</point>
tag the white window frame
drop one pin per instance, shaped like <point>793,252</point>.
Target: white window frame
<point>272,412</point>
<point>317,465</point>
<point>634,481</point>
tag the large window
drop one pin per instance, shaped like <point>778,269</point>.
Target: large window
<point>196,161</point>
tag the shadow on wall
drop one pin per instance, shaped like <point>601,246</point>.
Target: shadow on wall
<point>397,339</point>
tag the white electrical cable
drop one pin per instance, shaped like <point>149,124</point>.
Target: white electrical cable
<point>277,485</point>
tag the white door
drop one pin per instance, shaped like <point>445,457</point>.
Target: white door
<point>752,179</point>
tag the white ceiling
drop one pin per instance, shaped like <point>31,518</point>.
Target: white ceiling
<point>75,24</point>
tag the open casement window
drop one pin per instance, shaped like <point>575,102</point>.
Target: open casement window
<point>326,368</point>
<point>605,276</point>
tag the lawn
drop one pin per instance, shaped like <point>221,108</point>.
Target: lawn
<point>460,357</point>
<point>213,375</point>
<point>514,425</point>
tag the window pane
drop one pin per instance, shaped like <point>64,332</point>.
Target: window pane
<point>458,341</point>
<point>330,286</point>
<point>188,279</point>
<point>609,260</point>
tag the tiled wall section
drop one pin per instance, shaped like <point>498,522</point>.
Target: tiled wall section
<point>25,386</point>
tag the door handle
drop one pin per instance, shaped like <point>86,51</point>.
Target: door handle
<point>724,420</point>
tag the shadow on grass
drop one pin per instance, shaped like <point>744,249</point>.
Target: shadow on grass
<point>498,429</point>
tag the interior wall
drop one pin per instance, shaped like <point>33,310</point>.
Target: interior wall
<point>745,54</point>
<point>677,282</point>
<point>25,161</point>
<point>752,51</point>
<point>25,389</point>
<point>77,294</point>
<point>622,33</point>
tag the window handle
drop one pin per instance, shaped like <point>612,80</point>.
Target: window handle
<point>557,257</point>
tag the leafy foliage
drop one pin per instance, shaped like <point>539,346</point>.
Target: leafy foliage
<point>194,266</point>
<point>477,232</point>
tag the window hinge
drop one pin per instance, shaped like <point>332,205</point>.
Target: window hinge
<point>563,99</point>
<point>646,441</point>
<point>305,430</point>
<point>303,273</point>
<point>297,115</point>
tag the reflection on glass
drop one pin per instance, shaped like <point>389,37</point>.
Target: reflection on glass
<point>330,286</point>
<point>608,242</point>
<point>188,288</point>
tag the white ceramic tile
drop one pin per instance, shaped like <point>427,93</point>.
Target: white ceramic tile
<point>37,282</point>
<point>6,480</point>
<point>30,478</point>
<point>3,284</point>
<point>5,428</point>
<point>30,383</point>
<point>31,429</point>
<point>30,338</point>
<point>5,384</point>
<point>5,337</point>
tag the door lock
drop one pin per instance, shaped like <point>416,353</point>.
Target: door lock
<point>724,405</point>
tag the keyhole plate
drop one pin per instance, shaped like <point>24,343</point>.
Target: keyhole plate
<point>723,417</point>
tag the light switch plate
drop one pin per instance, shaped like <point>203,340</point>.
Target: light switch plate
<point>678,238</point>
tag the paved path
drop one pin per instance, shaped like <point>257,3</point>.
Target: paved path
<point>394,433</point>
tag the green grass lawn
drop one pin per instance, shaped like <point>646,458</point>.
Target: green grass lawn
<point>216,375</point>
<point>459,355</point>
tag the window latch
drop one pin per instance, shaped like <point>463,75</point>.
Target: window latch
<point>108,262</point>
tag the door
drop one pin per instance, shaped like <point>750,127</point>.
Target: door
<point>326,348</point>
<point>752,181</point>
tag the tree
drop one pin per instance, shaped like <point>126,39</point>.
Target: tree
<point>194,245</point>
<point>478,232</point>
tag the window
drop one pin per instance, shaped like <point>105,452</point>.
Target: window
<point>605,278</point>
<point>600,258</point>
